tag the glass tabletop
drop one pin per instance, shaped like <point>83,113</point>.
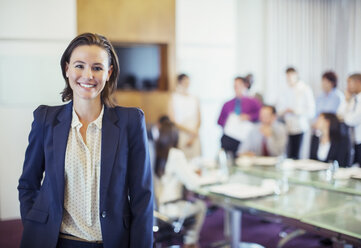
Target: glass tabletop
<point>332,210</point>
<point>345,219</point>
<point>320,179</point>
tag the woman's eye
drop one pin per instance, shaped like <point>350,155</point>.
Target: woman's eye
<point>98,68</point>
<point>79,66</point>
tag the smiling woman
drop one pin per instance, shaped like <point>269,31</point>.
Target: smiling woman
<point>97,186</point>
<point>89,55</point>
<point>88,71</point>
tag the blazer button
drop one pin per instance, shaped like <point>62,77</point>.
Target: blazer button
<point>104,214</point>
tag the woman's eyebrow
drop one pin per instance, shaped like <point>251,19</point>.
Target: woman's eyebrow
<point>98,64</point>
<point>78,61</point>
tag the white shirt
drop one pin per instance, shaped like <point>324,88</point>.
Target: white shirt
<point>276,143</point>
<point>177,173</point>
<point>186,110</point>
<point>82,177</point>
<point>299,99</point>
<point>323,150</point>
<point>351,112</point>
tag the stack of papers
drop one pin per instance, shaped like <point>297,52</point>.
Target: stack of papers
<point>211,177</point>
<point>260,161</point>
<point>244,191</point>
<point>347,173</point>
<point>305,164</point>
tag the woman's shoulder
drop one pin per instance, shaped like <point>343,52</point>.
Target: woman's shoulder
<point>177,156</point>
<point>43,111</point>
<point>175,152</point>
<point>130,112</point>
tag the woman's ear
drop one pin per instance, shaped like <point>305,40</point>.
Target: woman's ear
<point>110,71</point>
<point>66,69</point>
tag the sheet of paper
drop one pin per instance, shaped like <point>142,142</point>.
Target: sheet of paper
<point>242,191</point>
<point>260,161</point>
<point>347,173</point>
<point>211,177</point>
<point>305,164</point>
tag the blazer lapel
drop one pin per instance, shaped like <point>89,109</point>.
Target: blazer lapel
<point>60,138</point>
<point>110,139</point>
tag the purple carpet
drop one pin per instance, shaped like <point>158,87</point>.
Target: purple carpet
<point>254,230</point>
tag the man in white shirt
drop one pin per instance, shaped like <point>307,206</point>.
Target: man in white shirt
<point>297,108</point>
<point>351,111</point>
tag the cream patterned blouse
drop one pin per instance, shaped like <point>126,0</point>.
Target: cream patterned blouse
<point>82,178</point>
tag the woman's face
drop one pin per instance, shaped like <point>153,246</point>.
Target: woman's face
<point>322,123</point>
<point>88,71</point>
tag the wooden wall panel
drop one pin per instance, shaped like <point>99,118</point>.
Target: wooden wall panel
<point>153,103</point>
<point>137,21</point>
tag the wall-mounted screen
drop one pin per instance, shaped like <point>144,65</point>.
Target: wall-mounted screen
<point>140,66</point>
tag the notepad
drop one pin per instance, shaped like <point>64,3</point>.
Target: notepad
<point>243,191</point>
<point>211,177</point>
<point>305,164</point>
<point>347,173</point>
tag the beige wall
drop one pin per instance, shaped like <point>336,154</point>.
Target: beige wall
<point>136,21</point>
<point>154,104</point>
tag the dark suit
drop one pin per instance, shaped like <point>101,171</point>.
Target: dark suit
<point>339,151</point>
<point>126,197</point>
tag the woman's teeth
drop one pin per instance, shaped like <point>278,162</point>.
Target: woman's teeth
<point>87,85</point>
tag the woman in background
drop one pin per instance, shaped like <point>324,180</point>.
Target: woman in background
<point>87,180</point>
<point>331,141</point>
<point>185,113</point>
<point>172,173</point>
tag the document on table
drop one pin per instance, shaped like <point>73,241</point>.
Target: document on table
<point>347,173</point>
<point>244,191</point>
<point>305,164</point>
<point>259,161</point>
<point>211,177</point>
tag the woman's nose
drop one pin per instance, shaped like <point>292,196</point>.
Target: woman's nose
<point>88,73</point>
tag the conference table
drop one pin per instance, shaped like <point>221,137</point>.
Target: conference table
<point>306,200</point>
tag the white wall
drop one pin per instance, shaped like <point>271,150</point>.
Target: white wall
<point>33,35</point>
<point>250,33</point>
<point>206,51</point>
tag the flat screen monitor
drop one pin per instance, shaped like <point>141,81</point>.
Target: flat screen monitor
<point>139,66</point>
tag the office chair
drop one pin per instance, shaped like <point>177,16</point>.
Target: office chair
<point>170,231</point>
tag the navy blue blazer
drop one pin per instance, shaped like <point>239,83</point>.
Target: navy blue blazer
<point>339,151</point>
<point>126,197</point>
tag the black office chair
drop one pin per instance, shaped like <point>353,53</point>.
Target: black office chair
<point>169,231</point>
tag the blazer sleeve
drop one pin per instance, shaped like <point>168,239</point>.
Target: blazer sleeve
<point>344,152</point>
<point>314,147</point>
<point>140,182</point>
<point>34,163</point>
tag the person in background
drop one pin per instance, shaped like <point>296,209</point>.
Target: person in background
<point>331,141</point>
<point>297,107</point>
<point>249,81</point>
<point>172,172</point>
<point>247,108</point>
<point>331,98</point>
<point>87,178</point>
<point>350,112</point>
<point>268,138</point>
<point>185,113</point>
